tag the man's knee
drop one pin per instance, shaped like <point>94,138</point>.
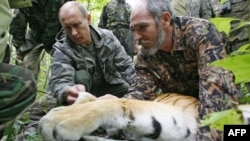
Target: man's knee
<point>121,89</point>
<point>83,77</point>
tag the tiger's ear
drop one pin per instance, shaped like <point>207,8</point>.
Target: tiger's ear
<point>84,97</point>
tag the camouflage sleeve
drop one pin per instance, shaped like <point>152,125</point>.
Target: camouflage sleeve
<point>210,46</point>
<point>217,90</point>
<point>18,27</point>
<point>62,75</point>
<point>123,62</point>
<point>103,18</point>
<point>144,86</point>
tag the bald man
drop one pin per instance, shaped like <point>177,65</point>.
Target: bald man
<point>87,58</point>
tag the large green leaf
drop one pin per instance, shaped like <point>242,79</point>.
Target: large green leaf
<point>240,65</point>
<point>217,120</point>
<point>223,24</point>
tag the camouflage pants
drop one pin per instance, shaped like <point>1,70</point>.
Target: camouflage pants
<point>217,92</point>
<point>17,91</point>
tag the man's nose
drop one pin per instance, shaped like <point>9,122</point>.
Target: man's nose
<point>74,31</point>
<point>138,36</point>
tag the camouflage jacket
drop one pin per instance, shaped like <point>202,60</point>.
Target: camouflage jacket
<point>195,8</point>
<point>196,43</point>
<point>68,57</point>
<point>115,13</point>
<point>116,17</point>
<point>43,22</point>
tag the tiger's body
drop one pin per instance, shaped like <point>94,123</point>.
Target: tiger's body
<point>170,117</point>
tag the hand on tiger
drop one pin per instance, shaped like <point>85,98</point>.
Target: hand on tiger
<point>72,93</point>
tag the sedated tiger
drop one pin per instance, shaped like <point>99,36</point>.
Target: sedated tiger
<point>169,117</point>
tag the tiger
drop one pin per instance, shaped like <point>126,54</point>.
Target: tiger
<point>169,117</point>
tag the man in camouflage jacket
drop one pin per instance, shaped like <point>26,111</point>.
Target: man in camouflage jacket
<point>87,59</point>
<point>175,57</point>
<point>17,85</point>
<point>115,17</point>
<point>31,40</point>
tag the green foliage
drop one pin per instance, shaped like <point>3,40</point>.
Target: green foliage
<point>224,24</point>
<point>95,8</point>
<point>11,130</point>
<point>219,119</point>
<point>34,136</point>
<point>237,61</point>
<point>43,77</point>
<point>245,99</point>
<point>239,65</point>
<point>16,127</point>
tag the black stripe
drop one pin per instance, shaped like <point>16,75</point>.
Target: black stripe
<point>188,133</point>
<point>157,129</point>
<point>54,133</point>
<point>175,122</point>
<point>163,97</point>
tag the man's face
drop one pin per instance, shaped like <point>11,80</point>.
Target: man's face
<point>75,26</point>
<point>149,35</point>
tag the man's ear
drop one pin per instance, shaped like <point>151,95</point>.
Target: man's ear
<point>166,19</point>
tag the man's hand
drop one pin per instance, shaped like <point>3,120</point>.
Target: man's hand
<point>72,93</point>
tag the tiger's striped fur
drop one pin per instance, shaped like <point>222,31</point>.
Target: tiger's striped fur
<point>188,103</point>
<point>170,117</point>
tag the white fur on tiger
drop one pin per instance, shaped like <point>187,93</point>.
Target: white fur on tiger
<point>143,120</point>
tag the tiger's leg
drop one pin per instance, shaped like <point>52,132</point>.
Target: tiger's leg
<point>77,120</point>
<point>140,119</point>
<point>217,93</point>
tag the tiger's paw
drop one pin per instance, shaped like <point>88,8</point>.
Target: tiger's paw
<point>65,122</point>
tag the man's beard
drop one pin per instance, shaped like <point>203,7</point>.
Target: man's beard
<point>161,37</point>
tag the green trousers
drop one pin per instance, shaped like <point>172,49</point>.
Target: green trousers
<point>83,77</point>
